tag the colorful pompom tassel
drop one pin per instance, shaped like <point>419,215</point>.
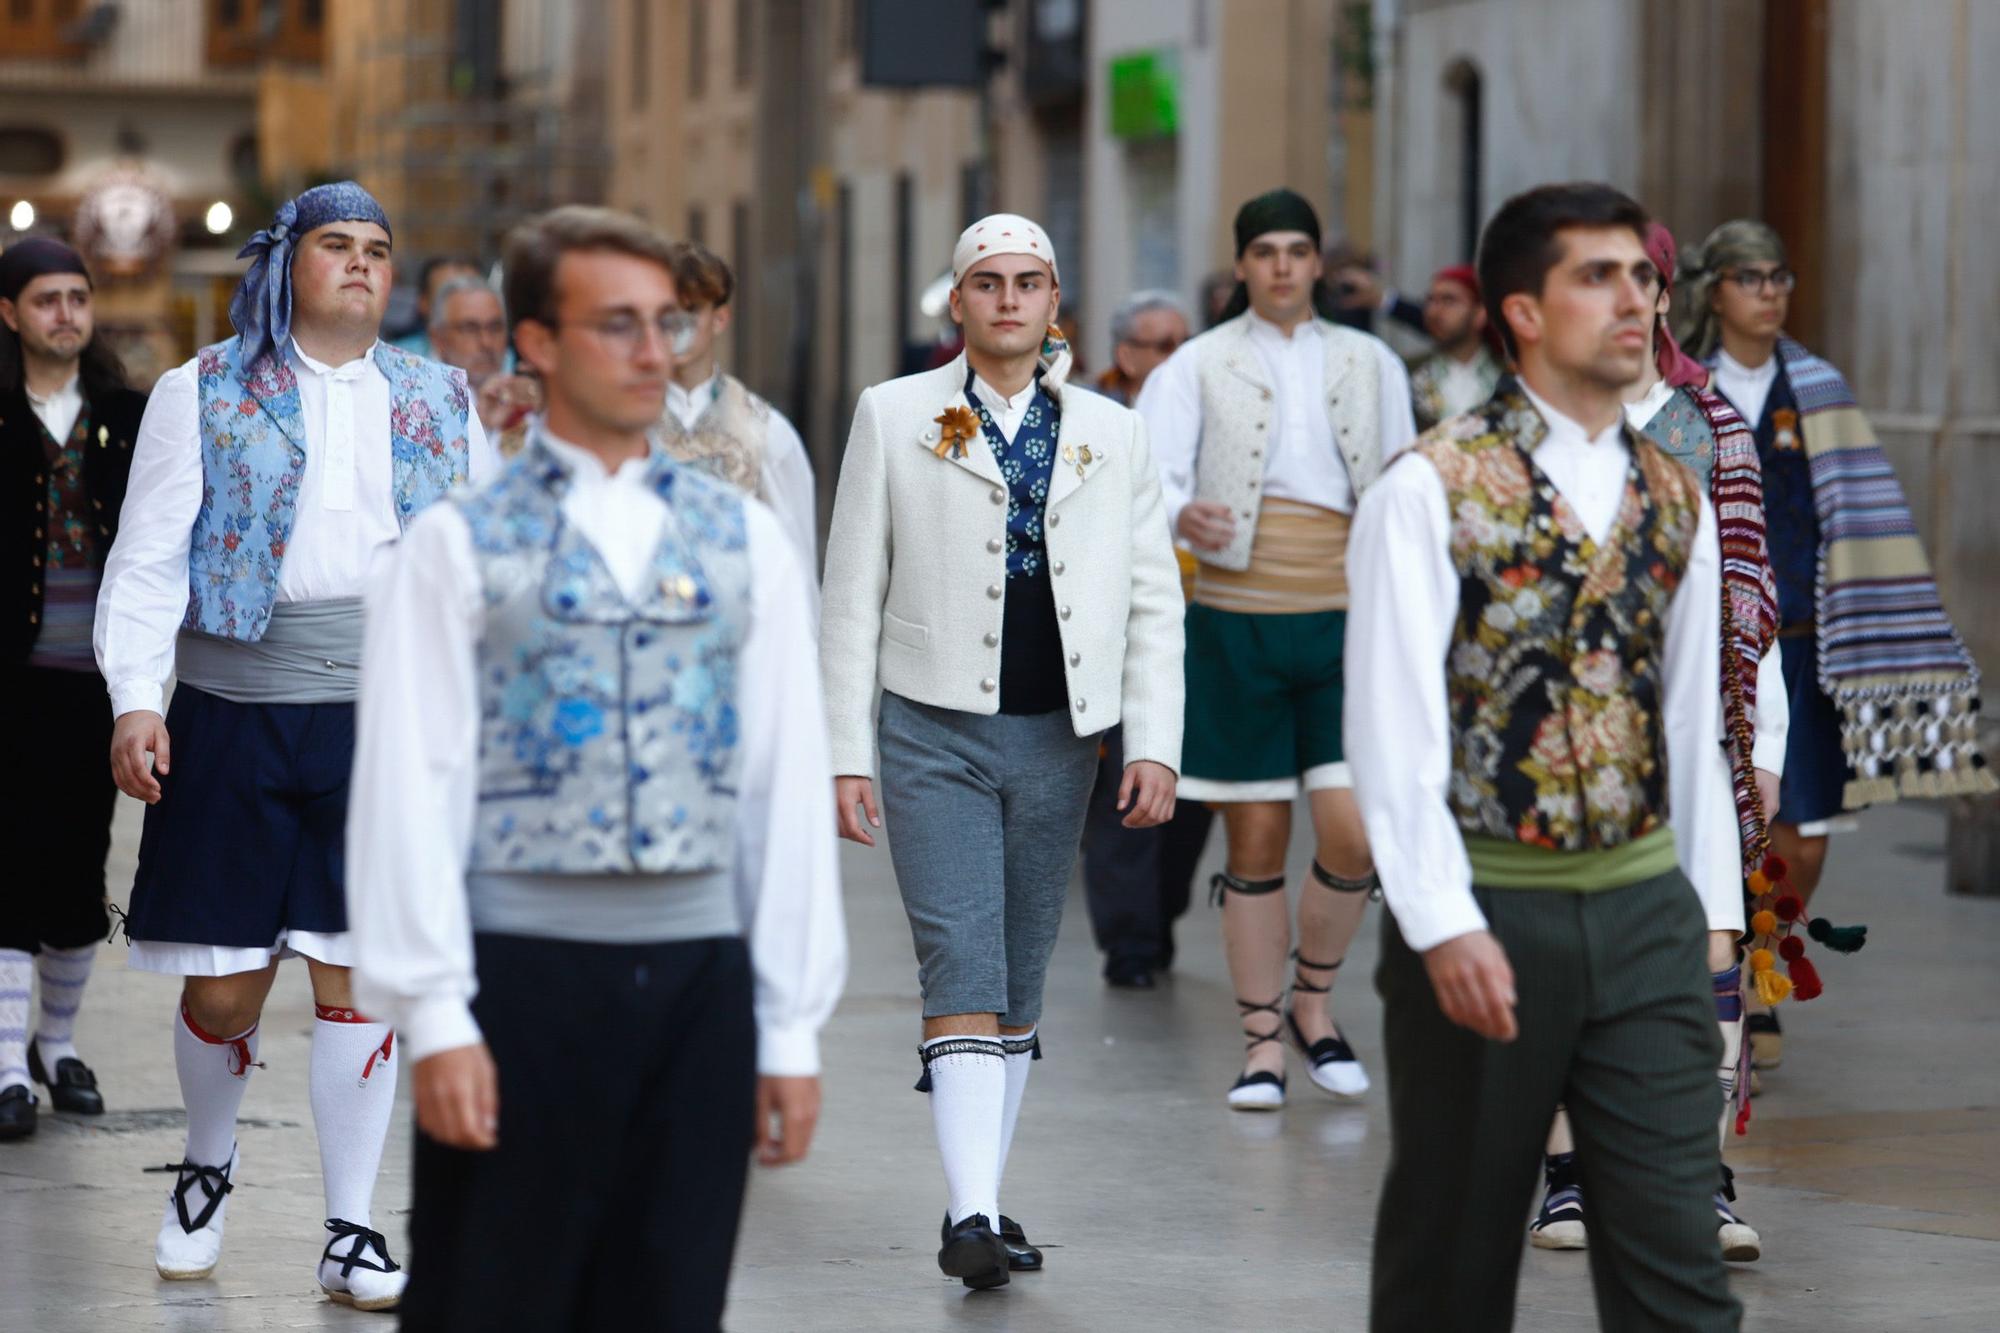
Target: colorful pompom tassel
<point>1805,979</point>
<point>1764,922</point>
<point>1743,1118</point>
<point>1840,939</point>
<point>1772,987</point>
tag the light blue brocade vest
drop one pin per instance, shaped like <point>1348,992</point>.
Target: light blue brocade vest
<point>253,452</point>
<point>607,728</point>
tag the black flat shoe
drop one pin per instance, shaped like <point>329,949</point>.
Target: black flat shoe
<point>73,1089</point>
<point>1021,1256</point>
<point>1128,976</point>
<point>17,1112</point>
<point>973,1253</point>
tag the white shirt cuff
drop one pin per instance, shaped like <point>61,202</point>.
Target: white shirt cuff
<point>442,1023</point>
<point>138,696</point>
<point>1437,917</point>
<point>790,1051</point>
<point>1767,752</point>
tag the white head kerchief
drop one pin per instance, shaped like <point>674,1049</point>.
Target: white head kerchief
<point>1012,234</point>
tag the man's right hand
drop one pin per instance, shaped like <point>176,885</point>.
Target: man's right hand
<point>847,794</point>
<point>134,736</point>
<point>1474,984</point>
<point>458,1098</point>
<point>1206,525</point>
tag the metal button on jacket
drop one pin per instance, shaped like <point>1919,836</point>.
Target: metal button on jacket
<point>1081,703</point>
<point>989,684</point>
<point>994,591</point>
<point>1055,520</point>
<point>998,496</point>
<point>1076,659</point>
<point>1057,568</point>
<point>1064,613</point>
<point>994,546</point>
<point>992,639</point>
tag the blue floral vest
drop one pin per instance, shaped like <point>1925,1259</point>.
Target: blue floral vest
<point>253,452</point>
<point>607,728</point>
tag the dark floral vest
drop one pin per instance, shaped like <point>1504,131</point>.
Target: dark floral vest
<point>1554,675</point>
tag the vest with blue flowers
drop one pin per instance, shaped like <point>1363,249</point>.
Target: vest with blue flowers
<point>608,728</point>
<point>253,453</point>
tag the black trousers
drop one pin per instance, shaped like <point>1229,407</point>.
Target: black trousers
<point>61,731</point>
<point>1617,1022</point>
<point>627,1096</point>
<point>1136,882</point>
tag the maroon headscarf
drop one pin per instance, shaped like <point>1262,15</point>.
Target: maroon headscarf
<point>1677,368</point>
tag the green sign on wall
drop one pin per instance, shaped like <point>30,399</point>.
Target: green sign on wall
<point>1145,94</point>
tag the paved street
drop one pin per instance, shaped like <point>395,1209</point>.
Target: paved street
<point>1873,1168</point>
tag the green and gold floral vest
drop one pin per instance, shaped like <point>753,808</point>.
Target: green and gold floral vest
<point>1554,675</point>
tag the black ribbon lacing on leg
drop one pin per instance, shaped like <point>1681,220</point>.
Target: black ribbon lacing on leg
<point>214,1182</point>
<point>364,1240</point>
<point>937,1050</point>
<point>119,921</point>
<point>1245,1008</point>
<point>1370,883</point>
<point>1299,981</point>
<point>1254,888</point>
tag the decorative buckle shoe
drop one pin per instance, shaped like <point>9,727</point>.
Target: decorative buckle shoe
<point>1559,1226</point>
<point>1740,1242</point>
<point>973,1253</point>
<point>1021,1256</point>
<point>17,1111</point>
<point>190,1240</point>
<point>73,1089</point>
<point>351,1277</point>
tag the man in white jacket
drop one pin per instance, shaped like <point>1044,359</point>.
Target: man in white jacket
<point>590,878</point>
<point>999,566</point>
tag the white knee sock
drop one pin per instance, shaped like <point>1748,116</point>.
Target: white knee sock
<point>353,1087</point>
<point>214,1072</point>
<point>968,1105</point>
<point>16,972</point>
<point>1020,1060</point>
<point>63,974</point>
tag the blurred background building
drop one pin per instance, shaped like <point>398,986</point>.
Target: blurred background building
<point>832,149</point>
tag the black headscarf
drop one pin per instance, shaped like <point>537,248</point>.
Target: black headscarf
<point>36,257</point>
<point>1275,210</point>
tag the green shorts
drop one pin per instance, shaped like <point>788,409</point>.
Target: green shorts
<point>1263,705</point>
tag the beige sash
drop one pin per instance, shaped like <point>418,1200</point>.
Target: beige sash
<point>1298,563</point>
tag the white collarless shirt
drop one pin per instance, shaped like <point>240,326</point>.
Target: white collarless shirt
<point>1404,591</point>
<point>345,510</point>
<point>1007,413</point>
<point>1746,388</point>
<point>416,772</point>
<point>687,405</point>
<point>58,412</point>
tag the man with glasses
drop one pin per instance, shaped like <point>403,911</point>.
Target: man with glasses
<point>267,473</point>
<point>1146,329</point>
<point>593,869</point>
<point>713,420</point>
<point>1268,429</point>
<point>1461,373</point>
<point>469,330</point>
<point>1864,638</point>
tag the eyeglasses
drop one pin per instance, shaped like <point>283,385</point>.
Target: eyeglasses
<point>625,333</point>
<point>1162,346</point>
<point>1757,281</point>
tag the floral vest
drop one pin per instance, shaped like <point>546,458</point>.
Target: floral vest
<point>607,728</point>
<point>727,439</point>
<point>253,452</point>
<point>1554,674</point>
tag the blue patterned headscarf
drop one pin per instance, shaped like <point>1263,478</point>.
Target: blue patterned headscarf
<point>261,310</point>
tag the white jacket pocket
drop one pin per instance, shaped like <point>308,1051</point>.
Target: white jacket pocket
<point>910,635</point>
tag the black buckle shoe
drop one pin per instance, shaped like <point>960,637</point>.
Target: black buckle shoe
<point>17,1112</point>
<point>73,1089</point>
<point>1021,1256</point>
<point>973,1253</point>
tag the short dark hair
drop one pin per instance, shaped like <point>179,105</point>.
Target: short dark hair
<point>536,247</point>
<point>430,267</point>
<point>700,276</point>
<point>1519,245</point>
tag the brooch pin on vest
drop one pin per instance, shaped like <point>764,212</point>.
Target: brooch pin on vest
<point>956,425</point>
<point>1785,430</point>
<point>1077,454</point>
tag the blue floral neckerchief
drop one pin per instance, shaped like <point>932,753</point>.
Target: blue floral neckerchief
<point>1027,462</point>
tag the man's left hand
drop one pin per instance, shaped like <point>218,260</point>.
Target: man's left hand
<point>787,1112</point>
<point>1767,791</point>
<point>1147,794</point>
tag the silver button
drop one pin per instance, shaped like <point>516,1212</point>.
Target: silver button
<point>1058,567</point>
<point>930,435</point>
<point>1064,613</point>
<point>992,639</point>
<point>1055,520</point>
<point>1081,703</point>
<point>998,496</point>
<point>994,591</point>
<point>1076,659</point>
<point>994,546</point>
<point>989,684</point>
